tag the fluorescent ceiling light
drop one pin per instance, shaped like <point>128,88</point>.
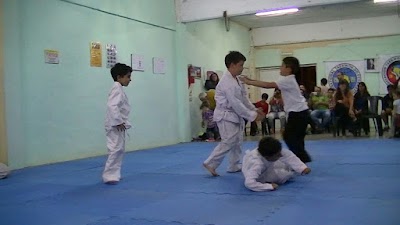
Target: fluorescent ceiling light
<point>277,12</point>
<point>381,1</point>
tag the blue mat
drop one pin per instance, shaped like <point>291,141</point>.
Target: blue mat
<point>353,182</point>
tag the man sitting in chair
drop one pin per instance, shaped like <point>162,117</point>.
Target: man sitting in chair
<point>320,109</point>
<point>276,112</point>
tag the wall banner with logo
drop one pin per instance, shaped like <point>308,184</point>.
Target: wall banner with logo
<point>390,71</point>
<point>352,71</point>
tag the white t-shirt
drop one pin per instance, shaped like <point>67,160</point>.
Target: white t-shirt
<point>396,105</point>
<point>293,100</point>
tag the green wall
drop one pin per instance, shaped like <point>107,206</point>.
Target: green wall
<point>318,53</point>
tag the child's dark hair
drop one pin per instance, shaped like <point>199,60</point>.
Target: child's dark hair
<point>264,96</point>
<point>293,64</point>
<point>234,57</point>
<point>390,87</point>
<point>269,146</point>
<point>332,89</point>
<point>324,81</point>
<point>120,69</point>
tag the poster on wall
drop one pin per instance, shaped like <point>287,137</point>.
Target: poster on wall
<point>352,71</point>
<point>95,54</point>
<point>137,62</point>
<point>195,71</point>
<point>51,56</point>
<point>370,65</point>
<point>111,55</point>
<point>191,81</point>
<point>159,65</point>
<point>390,71</point>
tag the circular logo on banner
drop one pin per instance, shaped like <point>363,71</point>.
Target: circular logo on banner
<point>391,70</point>
<point>350,73</point>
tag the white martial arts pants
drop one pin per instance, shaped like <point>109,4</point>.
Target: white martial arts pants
<point>116,149</point>
<point>4,171</point>
<point>278,173</point>
<point>231,139</point>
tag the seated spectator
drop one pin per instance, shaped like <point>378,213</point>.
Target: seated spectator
<point>265,108</point>
<point>208,122</point>
<point>344,99</point>
<point>320,109</point>
<point>277,111</point>
<point>212,82</point>
<point>361,106</point>
<point>387,106</point>
<point>209,97</point>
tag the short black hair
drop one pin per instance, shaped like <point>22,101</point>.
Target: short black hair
<point>120,69</point>
<point>324,81</point>
<point>293,63</point>
<point>265,95</point>
<point>390,86</point>
<point>332,89</point>
<point>269,146</point>
<point>234,57</point>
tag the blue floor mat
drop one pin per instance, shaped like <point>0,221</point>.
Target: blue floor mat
<point>352,182</point>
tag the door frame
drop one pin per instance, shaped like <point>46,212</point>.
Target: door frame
<point>3,133</point>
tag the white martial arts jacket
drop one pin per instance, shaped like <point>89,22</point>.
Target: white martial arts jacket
<point>254,165</point>
<point>118,108</point>
<point>232,103</point>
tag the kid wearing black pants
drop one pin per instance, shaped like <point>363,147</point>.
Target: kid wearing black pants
<point>295,106</point>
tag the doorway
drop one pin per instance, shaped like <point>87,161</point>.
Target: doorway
<point>308,77</point>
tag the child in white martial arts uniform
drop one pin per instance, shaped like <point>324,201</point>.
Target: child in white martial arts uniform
<point>295,106</point>
<point>269,165</point>
<point>4,171</point>
<point>232,107</point>
<point>117,122</point>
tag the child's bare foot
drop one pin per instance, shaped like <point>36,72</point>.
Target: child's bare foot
<point>211,170</point>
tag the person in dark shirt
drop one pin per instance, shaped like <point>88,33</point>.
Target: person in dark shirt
<point>387,106</point>
<point>212,82</point>
<point>361,106</point>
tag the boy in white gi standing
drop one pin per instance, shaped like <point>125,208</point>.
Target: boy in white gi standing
<point>269,165</point>
<point>117,122</point>
<point>232,108</point>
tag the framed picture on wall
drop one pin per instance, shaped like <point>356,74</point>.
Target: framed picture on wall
<point>195,71</point>
<point>370,65</point>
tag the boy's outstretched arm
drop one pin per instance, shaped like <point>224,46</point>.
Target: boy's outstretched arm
<point>258,83</point>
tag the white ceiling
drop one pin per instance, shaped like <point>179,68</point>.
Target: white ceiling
<point>324,13</point>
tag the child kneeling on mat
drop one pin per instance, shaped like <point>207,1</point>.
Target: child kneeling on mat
<point>269,165</point>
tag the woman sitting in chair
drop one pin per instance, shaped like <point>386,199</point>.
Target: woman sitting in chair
<point>361,106</point>
<point>344,112</point>
<point>395,132</point>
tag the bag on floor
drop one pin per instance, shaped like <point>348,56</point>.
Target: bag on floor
<point>4,171</point>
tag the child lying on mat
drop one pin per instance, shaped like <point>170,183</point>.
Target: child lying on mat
<point>269,165</point>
